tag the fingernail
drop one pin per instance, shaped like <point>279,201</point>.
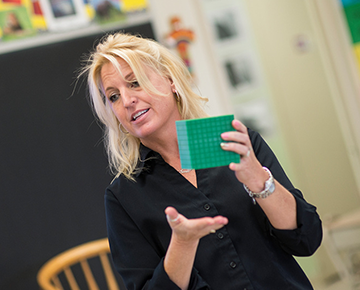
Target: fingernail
<point>224,145</point>
<point>224,135</point>
<point>172,220</point>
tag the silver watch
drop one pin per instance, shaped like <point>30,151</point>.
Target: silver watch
<point>269,188</point>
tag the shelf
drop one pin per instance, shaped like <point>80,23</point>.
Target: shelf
<point>53,37</point>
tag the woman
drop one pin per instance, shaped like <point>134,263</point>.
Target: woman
<point>171,228</point>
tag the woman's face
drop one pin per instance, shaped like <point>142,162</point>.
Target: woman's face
<point>148,117</point>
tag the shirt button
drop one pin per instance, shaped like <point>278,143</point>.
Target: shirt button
<point>207,206</point>
<point>233,265</point>
<point>220,236</point>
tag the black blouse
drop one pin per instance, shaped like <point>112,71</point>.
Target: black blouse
<point>247,253</point>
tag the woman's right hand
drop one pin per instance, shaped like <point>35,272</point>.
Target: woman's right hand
<point>189,230</point>
<point>186,233</point>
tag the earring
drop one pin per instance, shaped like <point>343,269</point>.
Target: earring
<point>177,96</point>
<point>124,132</point>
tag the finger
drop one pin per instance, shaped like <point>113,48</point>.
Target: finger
<point>235,136</point>
<point>234,166</point>
<point>216,223</point>
<point>238,126</point>
<point>219,225</point>
<point>219,222</point>
<point>238,148</point>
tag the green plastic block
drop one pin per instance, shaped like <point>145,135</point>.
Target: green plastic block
<point>199,142</point>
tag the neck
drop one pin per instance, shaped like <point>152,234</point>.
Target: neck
<point>168,150</point>
<point>166,144</point>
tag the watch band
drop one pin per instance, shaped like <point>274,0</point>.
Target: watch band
<point>269,188</point>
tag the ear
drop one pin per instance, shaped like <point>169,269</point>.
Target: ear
<point>172,86</point>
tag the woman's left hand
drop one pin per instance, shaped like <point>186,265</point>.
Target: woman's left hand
<point>280,207</point>
<point>249,171</point>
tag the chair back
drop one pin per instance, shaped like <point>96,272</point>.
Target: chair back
<point>342,241</point>
<point>63,271</point>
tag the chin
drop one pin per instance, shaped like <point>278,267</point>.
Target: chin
<point>142,134</point>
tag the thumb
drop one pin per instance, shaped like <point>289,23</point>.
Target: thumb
<point>172,215</point>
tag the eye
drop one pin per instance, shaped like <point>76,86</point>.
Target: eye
<point>114,97</point>
<point>134,84</point>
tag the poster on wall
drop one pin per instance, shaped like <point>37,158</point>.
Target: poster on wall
<point>239,64</point>
<point>134,6</point>
<point>64,15</point>
<point>240,72</point>
<point>357,53</point>
<point>37,16</point>
<point>114,11</point>
<point>352,14</point>
<point>108,11</point>
<point>225,25</point>
<point>15,23</point>
<point>20,18</point>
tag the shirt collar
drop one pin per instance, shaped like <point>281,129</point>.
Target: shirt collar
<point>145,152</point>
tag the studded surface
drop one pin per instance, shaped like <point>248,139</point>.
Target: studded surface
<point>199,142</point>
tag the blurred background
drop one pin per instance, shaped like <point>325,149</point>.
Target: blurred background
<point>289,69</point>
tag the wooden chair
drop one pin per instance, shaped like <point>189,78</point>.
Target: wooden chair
<point>58,272</point>
<point>342,241</point>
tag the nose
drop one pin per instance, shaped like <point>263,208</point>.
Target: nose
<point>128,98</point>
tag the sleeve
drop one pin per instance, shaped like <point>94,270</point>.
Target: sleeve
<point>304,240</point>
<point>307,237</point>
<point>137,261</point>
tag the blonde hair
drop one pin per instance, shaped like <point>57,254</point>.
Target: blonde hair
<point>122,148</point>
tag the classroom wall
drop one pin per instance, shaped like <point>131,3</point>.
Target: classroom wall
<point>300,91</point>
<point>312,140</point>
<point>53,166</point>
<point>303,97</point>
<point>303,94</point>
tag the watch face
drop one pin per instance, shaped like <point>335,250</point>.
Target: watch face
<point>272,187</point>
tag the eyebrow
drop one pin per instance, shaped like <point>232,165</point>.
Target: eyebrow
<point>109,89</point>
<point>129,76</point>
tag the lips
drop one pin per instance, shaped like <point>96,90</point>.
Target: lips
<point>138,114</point>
